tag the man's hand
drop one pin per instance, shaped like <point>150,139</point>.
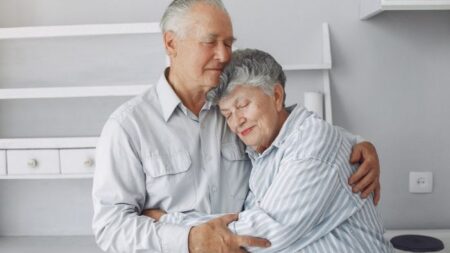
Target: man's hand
<point>154,213</point>
<point>367,178</point>
<point>214,236</point>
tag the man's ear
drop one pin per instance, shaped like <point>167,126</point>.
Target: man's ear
<point>278,93</point>
<point>170,43</point>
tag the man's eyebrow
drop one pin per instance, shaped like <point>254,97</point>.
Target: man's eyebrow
<point>214,36</point>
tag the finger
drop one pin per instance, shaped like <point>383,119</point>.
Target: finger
<point>356,154</point>
<point>360,173</point>
<point>377,195</point>
<point>243,250</point>
<point>250,241</point>
<point>228,218</point>
<point>365,182</point>
<point>368,190</point>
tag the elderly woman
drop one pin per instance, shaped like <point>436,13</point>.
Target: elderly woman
<point>299,198</point>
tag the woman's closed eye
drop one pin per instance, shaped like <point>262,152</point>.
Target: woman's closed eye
<point>243,105</point>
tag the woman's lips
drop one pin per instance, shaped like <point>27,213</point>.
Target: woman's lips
<point>246,131</point>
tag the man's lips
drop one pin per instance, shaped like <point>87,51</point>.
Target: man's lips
<point>246,131</point>
<point>216,69</point>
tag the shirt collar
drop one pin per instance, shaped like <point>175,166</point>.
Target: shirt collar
<point>169,100</point>
<point>167,96</point>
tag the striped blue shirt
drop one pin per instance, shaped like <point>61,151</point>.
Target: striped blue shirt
<point>299,198</point>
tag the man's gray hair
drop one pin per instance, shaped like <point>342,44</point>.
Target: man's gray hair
<point>174,18</point>
<point>249,67</point>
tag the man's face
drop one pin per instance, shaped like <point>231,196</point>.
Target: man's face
<point>252,115</point>
<point>205,49</point>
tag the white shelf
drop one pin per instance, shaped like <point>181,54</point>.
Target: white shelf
<point>49,244</point>
<point>71,92</point>
<point>78,30</point>
<point>49,176</point>
<point>49,143</point>
<point>370,8</point>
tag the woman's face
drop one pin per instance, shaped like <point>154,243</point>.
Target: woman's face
<point>253,115</point>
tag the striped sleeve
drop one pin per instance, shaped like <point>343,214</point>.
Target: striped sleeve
<point>293,205</point>
<point>197,218</point>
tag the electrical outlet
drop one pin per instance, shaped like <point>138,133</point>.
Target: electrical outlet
<point>420,182</point>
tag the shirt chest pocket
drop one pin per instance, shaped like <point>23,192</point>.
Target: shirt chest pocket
<point>171,183</point>
<point>236,165</point>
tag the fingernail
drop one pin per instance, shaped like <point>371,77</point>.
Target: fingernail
<point>268,244</point>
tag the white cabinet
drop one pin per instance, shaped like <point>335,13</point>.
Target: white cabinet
<point>77,161</point>
<point>370,8</point>
<point>32,162</point>
<point>2,162</point>
<point>48,158</point>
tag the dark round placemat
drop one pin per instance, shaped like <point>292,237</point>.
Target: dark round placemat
<point>417,243</point>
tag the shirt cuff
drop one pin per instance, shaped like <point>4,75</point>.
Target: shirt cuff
<point>232,227</point>
<point>359,139</point>
<point>163,218</point>
<point>174,238</point>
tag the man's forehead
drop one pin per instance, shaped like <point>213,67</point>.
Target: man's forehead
<point>210,19</point>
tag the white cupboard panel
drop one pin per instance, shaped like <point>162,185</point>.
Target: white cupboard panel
<point>32,162</point>
<point>2,162</point>
<point>77,161</point>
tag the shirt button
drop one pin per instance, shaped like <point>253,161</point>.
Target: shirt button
<point>214,189</point>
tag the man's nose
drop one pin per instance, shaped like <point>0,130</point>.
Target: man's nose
<point>223,53</point>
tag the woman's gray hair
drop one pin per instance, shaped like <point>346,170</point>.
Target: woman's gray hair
<point>174,18</point>
<point>249,67</point>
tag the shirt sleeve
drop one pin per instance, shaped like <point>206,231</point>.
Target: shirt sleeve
<point>293,206</point>
<point>197,218</point>
<point>119,194</point>
<point>354,139</point>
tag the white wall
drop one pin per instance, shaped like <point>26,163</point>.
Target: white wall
<point>390,80</point>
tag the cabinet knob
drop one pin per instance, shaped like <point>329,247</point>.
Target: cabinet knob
<point>89,162</point>
<point>32,163</point>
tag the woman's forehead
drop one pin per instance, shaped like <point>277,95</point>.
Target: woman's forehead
<point>240,93</point>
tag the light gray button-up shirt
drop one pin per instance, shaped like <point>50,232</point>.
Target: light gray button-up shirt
<point>154,153</point>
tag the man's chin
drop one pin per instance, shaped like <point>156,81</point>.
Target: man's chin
<point>212,83</point>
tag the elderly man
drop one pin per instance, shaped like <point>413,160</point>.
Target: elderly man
<point>299,198</point>
<point>171,149</point>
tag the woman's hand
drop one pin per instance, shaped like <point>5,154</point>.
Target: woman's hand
<point>366,179</point>
<point>154,213</point>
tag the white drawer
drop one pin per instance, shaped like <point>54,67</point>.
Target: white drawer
<point>2,162</point>
<point>77,161</point>
<point>33,161</point>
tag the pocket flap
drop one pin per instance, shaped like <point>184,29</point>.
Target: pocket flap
<point>233,151</point>
<point>159,164</point>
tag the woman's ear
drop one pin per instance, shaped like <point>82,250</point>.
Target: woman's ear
<point>170,44</point>
<point>278,93</point>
